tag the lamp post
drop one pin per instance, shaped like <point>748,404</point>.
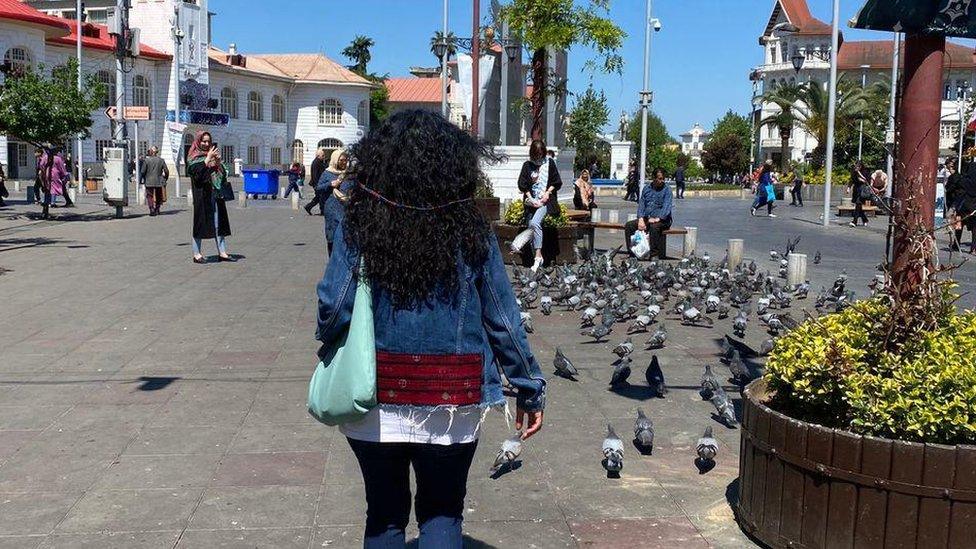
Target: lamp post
<point>890,138</point>
<point>860,137</point>
<point>961,96</point>
<point>177,49</point>
<point>646,95</point>
<point>831,110</point>
<point>79,16</point>
<point>441,51</point>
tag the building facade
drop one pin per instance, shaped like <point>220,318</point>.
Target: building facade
<point>693,142</point>
<point>262,110</point>
<point>858,61</point>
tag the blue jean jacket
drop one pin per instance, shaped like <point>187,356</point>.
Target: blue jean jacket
<point>482,318</point>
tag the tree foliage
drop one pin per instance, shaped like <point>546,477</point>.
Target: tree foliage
<point>44,110</point>
<point>588,116</point>
<point>726,155</point>
<point>560,25</point>
<point>734,124</point>
<point>662,149</point>
<point>358,51</point>
<point>451,43</point>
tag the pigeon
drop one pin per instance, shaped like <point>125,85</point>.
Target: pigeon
<point>527,322</point>
<point>639,324</point>
<point>510,450</point>
<point>621,371</point>
<point>655,378</point>
<point>709,383</point>
<point>773,255</point>
<point>598,332</point>
<point>727,349</point>
<point>707,446</point>
<point>624,348</point>
<point>802,290</point>
<point>644,432</point>
<point>545,305</point>
<point>586,319</point>
<point>658,338</point>
<point>564,367</point>
<point>613,452</point>
<point>739,324</point>
<point>740,372</point>
<point>724,408</point>
<point>817,258</point>
<point>653,311</point>
<point>766,347</point>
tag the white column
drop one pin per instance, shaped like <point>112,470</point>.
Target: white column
<point>736,246</point>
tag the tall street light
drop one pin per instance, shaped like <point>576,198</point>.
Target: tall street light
<point>441,51</point>
<point>962,93</point>
<point>890,138</point>
<point>831,110</point>
<point>860,137</point>
<point>645,94</point>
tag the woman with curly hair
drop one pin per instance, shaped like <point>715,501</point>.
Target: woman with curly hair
<point>445,319</point>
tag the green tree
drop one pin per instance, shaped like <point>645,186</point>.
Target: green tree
<point>662,149</point>
<point>588,116</point>
<point>358,52</point>
<point>875,117</point>
<point>785,118</point>
<point>734,124</point>
<point>812,113</point>
<point>45,111</point>
<point>726,155</point>
<point>379,105</point>
<point>559,25</point>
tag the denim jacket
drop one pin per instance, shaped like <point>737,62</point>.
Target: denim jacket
<point>482,318</point>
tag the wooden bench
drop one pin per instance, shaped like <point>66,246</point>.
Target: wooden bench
<point>847,210</point>
<point>588,228</point>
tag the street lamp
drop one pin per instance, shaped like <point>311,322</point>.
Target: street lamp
<point>646,96</point>
<point>798,59</point>
<point>961,94</point>
<point>860,138</point>
<point>440,49</point>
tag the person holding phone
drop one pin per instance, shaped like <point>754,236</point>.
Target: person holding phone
<point>210,190</point>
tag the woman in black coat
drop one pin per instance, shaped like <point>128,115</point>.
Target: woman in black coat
<point>538,182</point>
<point>210,189</point>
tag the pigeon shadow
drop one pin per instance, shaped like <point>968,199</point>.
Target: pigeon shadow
<point>505,469</point>
<point>641,449</point>
<point>634,392</point>
<point>557,373</point>
<point>704,466</point>
<point>718,419</point>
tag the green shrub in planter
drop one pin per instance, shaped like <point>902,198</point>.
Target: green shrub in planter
<point>841,371</point>
<point>515,215</point>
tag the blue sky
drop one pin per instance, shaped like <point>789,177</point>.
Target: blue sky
<point>700,61</point>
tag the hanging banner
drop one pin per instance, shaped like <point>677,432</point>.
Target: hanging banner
<point>936,17</point>
<point>466,79</point>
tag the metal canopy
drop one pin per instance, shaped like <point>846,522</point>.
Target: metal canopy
<point>932,17</point>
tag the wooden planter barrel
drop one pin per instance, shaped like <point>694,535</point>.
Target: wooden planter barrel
<point>806,486</point>
<point>557,244</point>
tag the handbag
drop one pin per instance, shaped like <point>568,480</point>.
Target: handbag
<point>226,191</point>
<point>343,387</point>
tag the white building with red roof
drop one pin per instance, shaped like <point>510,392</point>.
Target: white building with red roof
<point>872,58</point>
<point>264,109</point>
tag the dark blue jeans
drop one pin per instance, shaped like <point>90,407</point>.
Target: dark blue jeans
<point>442,477</point>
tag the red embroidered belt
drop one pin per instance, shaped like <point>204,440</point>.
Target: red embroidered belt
<point>428,380</point>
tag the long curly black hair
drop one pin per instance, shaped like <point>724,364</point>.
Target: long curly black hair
<point>417,159</point>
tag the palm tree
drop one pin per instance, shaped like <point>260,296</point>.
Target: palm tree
<point>785,98</point>
<point>451,43</point>
<point>358,52</point>
<point>812,112</point>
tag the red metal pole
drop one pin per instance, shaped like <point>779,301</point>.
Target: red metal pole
<point>475,66</point>
<point>918,156</point>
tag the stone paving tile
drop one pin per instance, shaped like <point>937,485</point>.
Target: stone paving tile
<point>284,538</point>
<point>105,417</point>
<point>35,512</point>
<point>271,469</point>
<point>20,542</point>
<point>309,436</point>
<point>11,441</point>
<point>29,417</point>
<point>344,537</point>
<point>112,540</point>
<point>168,471</point>
<point>661,532</point>
<point>31,471</point>
<point>203,439</point>
<point>534,534</point>
<point>256,507</point>
<point>131,511</point>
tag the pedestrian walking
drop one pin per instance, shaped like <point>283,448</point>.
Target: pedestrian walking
<point>335,182</point>
<point>539,182</point>
<point>3,187</point>
<point>966,206</point>
<point>54,175</point>
<point>296,178</point>
<point>654,216</point>
<point>444,318</point>
<point>318,166</point>
<point>583,193</point>
<point>796,191</point>
<point>679,182</point>
<point>633,184</point>
<point>154,174</point>
<point>953,195</point>
<point>860,190</point>
<point>765,190</point>
<point>211,190</point>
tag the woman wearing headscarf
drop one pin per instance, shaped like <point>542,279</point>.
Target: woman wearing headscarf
<point>334,181</point>
<point>54,174</point>
<point>583,195</point>
<point>210,189</point>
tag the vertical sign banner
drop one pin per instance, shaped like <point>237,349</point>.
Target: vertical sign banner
<point>935,17</point>
<point>465,78</point>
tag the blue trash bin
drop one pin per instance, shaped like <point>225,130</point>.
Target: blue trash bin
<point>261,182</point>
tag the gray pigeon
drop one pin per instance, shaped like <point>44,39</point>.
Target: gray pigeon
<point>655,378</point>
<point>658,338</point>
<point>527,322</point>
<point>709,383</point>
<point>739,324</point>
<point>624,348</point>
<point>707,446</point>
<point>564,367</point>
<point>598,332</point>
<point>644,431</point>
<point>724,408</point>
<point>621,371</point>
<point>639,324</point>
<point>510,450</point>
<point>545,305</point>
<point>817,258</point>
<point>613,452</point>
<point>739,369</point>
<point>766,347</point>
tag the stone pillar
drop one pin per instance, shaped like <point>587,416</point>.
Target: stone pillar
<point>294,200</point>
<point>796,265</point>
<point>189,195</point>
<point>736,246</point>
<point>691,240</point>
<point>140,194</point>
<point>619,159</point>
<point>242,199</point>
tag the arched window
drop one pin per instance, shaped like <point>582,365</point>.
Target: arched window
<point>362,114</point>
<point>18,59</point>
<point>255,106</point>
<point>298,153</point>
<point>330,112</point>
<point>228,102</point>
<point>141,93</point>
<point>107,79</point>
<point>330,144</point>
<point>277,109</point>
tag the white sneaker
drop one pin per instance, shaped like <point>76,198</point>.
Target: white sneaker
<point>853,224</point>
<point>772,215</point>
<point>752,212</point>
<point>536,264</point>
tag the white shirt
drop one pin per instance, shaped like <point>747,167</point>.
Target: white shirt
<point>398,423</point>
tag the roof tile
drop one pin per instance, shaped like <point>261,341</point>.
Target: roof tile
<point>414,90</point>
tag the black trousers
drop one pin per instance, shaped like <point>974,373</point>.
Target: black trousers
<point>679,189</point>
<point>632,191</point>
<point>796,195</point>
<point>859,212</point>
<point>442,477</point>
<point>320,198</point>
<point>655,235</point>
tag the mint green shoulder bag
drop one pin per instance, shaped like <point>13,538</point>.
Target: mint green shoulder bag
<point>343,387</point>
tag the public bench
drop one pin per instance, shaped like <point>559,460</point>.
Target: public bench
<point>588,229</point>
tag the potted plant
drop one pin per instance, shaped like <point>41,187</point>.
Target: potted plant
<point>559,234</point>
<point>484,196</point>
<point>862,432</point>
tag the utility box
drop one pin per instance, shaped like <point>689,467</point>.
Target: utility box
<point>115,186</point>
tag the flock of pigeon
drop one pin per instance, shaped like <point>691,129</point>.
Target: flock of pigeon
<point>635,298</point>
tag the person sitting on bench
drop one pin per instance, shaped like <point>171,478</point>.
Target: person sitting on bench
<point>653,215</point>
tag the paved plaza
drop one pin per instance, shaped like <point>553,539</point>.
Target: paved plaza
<point>149,402</point>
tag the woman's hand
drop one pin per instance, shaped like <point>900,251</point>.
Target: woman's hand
<point>534,422</point>
<point>641,226</point>
<point>545,197</point>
